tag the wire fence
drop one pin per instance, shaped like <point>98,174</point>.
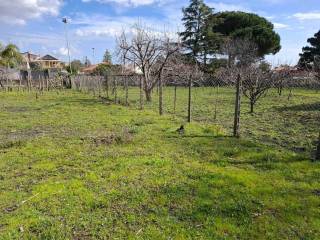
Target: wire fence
<point>23,80</point>
<point>283,113</point>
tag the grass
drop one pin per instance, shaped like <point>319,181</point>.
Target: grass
<point>74,167</point>
<point>278,120</point>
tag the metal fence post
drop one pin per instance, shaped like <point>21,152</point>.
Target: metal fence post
<point>236,126</point>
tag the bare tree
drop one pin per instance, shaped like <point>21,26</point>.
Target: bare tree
<point>181,72</point>
<point>149,51</point>
<point>239,52</point>
<point>283,77</point>
<point>256,83</point>
<point>244,63</point>
<point>316,70</point>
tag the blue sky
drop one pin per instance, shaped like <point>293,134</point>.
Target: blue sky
<point>36,26</point>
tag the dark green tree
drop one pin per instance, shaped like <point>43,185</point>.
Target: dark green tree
<point>102,70</point>
<point>107,57</point>
<point>35,66</point>
<point>195,36</point>
<point>309,53</point>
<point>249,26</point>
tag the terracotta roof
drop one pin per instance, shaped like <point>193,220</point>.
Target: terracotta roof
<point>93,67</point>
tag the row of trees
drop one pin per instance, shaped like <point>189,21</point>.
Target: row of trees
<point>206,32</point>
<point>225,45</point>
<point>202,46</point>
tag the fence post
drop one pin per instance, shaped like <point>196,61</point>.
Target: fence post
<point>127,90</point>
<point>7,81</point>
<point>160,97</point>
<point>107,85</point>
<point>20,83</point>
<point>318,149</point>
<point>141,92</point>
<point>28,80</point>
<point>175,99</point>
<point>189,99</point>
<point>236,126</point>
<point>40,80</point>
<point>216,103</point>
<point>115,89</point>
<point>47,83</point>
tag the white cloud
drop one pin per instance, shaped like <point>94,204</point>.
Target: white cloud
<point>20,11</point>
<point>307,16</point>
<point>63,51</point>
<point>221,7</point>
<point>280,26</point>
<point>127,3</point>
<point>110,27</point>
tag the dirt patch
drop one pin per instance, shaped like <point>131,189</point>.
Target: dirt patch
<point>16,109</point>
<point>19,138</point>
<point>26,134</point>
<point>124,136</point>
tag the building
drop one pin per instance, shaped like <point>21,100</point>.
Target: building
<point>49,62</point>
<point>45,62</point>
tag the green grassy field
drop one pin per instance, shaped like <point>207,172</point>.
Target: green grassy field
<point>293,123</point>
<point>75,167</point>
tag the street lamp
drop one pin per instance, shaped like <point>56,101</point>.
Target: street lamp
<point>65,21</point>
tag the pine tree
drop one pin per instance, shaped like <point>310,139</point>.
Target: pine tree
<point>107,57</point>
<point>310,53</point>
<point>195,36</point>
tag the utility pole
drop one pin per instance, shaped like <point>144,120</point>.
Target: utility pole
<point>65,21</point>
<point>86,63</point>
<point>93,60</point>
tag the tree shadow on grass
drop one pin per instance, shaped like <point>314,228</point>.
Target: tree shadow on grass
<point>301,107</point>
<point>81,101</point>
<point>228,150</point>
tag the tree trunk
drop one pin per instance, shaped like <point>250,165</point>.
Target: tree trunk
<point>175,100</point>
<point>141,93</point>
<point>148,93</point>
<point>280,90</point>
<point>251,106</point>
